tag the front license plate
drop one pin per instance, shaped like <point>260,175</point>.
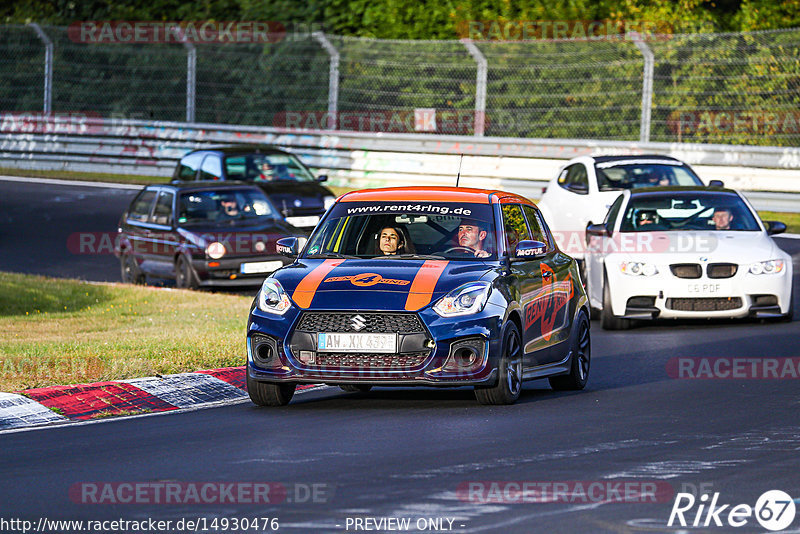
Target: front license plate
<point>256,267</point>
<point>706,288</point>
<point>310,220</point>
<point>357,342</point>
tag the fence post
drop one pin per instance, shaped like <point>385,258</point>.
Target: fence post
<point>191,77</point>
<point>333,78</point>
<point>48,67</point>
<point>647,86</point>
<point>480,86</point>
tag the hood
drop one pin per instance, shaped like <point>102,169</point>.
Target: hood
<point>242,237</point>
<point>714,246</point>
<point>286,194</point>
<point>368,284</point>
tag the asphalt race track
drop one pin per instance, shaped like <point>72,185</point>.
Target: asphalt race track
<point>334,458</point>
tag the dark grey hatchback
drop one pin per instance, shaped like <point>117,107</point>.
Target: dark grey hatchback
<point>201,234</point>
<point>290,185</point>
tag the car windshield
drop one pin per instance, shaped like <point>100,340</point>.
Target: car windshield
<point>406,230</point>
<point>223,206</point>
<point>688,211</point>
<point>266,168</point>
<point>635,174</point>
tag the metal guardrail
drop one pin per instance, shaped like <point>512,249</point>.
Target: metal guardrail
<point>86,144</point>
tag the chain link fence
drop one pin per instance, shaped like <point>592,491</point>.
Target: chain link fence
<point>741,89</point>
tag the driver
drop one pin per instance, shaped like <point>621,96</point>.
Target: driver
<point>722,218</point>
<point>472,234</point>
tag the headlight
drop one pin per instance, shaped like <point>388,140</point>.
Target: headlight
<point>215,250</point>
<point>767,267</point>
<point>638,268</point>
<point>329,201</point>
<point>465,300</point>
<point>272,298</point>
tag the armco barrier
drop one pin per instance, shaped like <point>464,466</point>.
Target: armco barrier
<point>88,144</point>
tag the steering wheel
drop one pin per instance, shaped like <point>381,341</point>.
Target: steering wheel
<point>460,249</point>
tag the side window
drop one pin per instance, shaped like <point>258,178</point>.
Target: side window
<point>613,213</point>
<point>211,169</point>
<point>140,209</point>
<point>534,223</point>
<point>187,170</point>
<point>575,179</point>
<point>162,214</point>
<point>514,225</point>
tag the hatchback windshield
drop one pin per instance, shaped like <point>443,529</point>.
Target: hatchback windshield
<point>688,211</point>
<point>266,168</point>
<point>615,175</point>
<point>406,230</point>
<point>224,205</point>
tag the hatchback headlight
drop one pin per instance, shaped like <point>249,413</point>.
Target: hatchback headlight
<point>272,298</point>
<point>215,250</point>
<point>767,267</point>
<point>464,300</point>
<point>638,268</point>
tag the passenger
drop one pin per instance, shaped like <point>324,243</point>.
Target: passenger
<point>646,217</point>
<point>230,208</point>
<point>722,218</point>
<point>392,240</point>
<point>472,234</point>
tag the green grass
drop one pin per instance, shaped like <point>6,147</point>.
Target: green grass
<point>65,331</point>
<point>792,220</point>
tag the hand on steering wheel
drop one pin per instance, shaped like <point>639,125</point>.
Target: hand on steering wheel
<point>461,249</point>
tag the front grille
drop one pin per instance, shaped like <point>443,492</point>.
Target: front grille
<point>400,323</point>
<point>686,270</point>
<point>704,304</point>
<point>371,361</point>
<point>722,270</point>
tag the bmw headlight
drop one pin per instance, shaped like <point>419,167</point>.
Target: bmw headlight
<point>465,300</point>
<point>638,268</point>
<point>767,267</point>
<point>272,298</point>
<point>329,201</point>
<point>215,250</point>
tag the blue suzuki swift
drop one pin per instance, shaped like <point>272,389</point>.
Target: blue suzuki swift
<point>421,287</point>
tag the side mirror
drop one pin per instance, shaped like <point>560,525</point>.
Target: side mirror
<point>322,178</point>
<point>529,250</point>
<point>775,227</point>
<point>716,183</point>
<point>290,246</point>
<point>596,230</point>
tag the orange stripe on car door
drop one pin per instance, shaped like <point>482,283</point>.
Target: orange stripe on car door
<point>307,288</point>
<point>424,283</point>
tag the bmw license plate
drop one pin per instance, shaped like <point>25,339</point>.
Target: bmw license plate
<point>344,342</point>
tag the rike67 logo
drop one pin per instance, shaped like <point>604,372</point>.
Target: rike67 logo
<point>774,510</point>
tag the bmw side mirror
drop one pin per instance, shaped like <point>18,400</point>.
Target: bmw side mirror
<point>596,230</point>
<point>322,178</point>
<point>774,227</point>
<point>716,183</point>
<point>529,250</point>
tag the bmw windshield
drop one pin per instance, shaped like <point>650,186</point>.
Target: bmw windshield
<point>400,230</point>
<point>688,211</point>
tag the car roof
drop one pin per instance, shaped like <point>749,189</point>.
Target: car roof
<point>434,194</point>
<point>235,150</point>
<point>606,159</point>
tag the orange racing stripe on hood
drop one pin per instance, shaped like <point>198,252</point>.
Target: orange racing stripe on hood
<point>424,283</point>
<point>307,288</point>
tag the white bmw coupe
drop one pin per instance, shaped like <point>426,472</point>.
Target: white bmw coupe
<point>686,252</point>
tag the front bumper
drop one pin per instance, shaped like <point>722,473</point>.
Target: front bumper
<point>665,296</point>
<point>227,272</point>
<point>283,349</point>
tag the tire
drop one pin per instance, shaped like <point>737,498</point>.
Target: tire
<point>509,381</point>
<point>184,274</point>
<point>608,320</point>
<point>355,388</point>
<point>581,349</point>
<point>268,394</point>
<point>789,317</point>
<point>129,270</point>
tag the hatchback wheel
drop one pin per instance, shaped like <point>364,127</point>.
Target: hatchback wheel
<point>129,270</point>
<point>581,348</point>
<point>509,383</point>
<point>184,274</point>
<point>269,394</point>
